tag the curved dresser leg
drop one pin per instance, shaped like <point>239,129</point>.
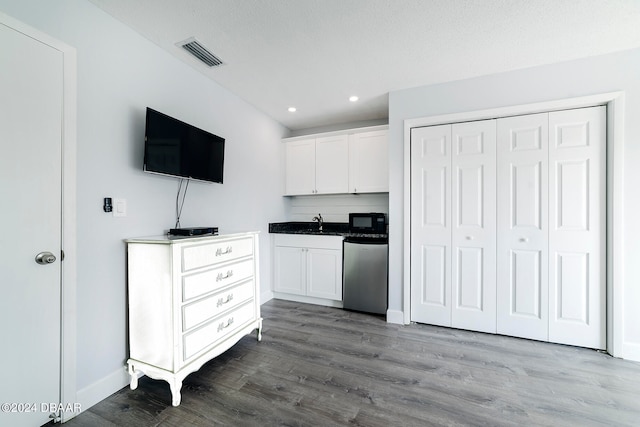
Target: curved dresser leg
<point>134,376</point>
<point>259,331</point>
<point>175,386</point>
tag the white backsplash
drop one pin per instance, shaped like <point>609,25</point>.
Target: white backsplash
<point>336,208</point>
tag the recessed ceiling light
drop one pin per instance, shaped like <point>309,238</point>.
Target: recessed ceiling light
<point>353,98</point>
<point>292,109</point>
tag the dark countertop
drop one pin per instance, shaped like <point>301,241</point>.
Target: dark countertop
<point>311,228</point>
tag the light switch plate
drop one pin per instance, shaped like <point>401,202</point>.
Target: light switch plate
<point>119,207</point>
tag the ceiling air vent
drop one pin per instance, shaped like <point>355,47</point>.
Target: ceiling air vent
<point>195,48</point>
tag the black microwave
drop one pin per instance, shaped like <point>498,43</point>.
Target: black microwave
<point>372,222</point>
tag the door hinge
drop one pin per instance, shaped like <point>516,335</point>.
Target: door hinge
<point>61,255</point>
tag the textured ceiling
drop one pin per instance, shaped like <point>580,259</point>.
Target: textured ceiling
<point>314,54</point>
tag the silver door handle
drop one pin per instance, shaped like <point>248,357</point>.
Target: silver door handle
<point>44,258</point>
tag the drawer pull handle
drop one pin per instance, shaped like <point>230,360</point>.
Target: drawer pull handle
<point>221,277</point>
<point>225,301</point>
<point>227,251</point>
<point>222,325</point>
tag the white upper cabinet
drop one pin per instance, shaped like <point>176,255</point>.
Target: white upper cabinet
<point>332,164</point>
<point>369,162</point>
<point>317,166</point>
<point>300,166</point>
<point>337,163</point>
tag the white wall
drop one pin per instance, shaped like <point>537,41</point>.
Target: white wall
<point>608,73</point>
<point>336,207</point>
<point>119,74</point>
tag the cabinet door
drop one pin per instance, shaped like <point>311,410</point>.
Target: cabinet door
<point>369,162</point>
<point>332,165</point>
<point>300,167</point>
<point>523,230</point>
<point>289,274</point>
<point>324,273</point>
<point>431,225</point>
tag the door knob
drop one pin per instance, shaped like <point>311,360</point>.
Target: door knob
<point>44,258</point>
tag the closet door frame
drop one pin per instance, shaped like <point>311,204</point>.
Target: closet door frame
<point>614,101</point>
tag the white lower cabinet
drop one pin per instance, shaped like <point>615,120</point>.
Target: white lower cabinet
<point>189,300</point>
<point>307,266</point>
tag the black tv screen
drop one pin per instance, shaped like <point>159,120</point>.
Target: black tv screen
<point>175,148</point>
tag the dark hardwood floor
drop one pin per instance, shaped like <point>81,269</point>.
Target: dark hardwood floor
<point>319,366</point>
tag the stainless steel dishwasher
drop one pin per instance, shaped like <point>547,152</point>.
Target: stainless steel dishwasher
<point>364,283</point>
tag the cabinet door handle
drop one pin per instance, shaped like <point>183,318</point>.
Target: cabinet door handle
<point>223,326</point>
<point>227,251</point>
<point>221,277</point>
<point>225,301</point>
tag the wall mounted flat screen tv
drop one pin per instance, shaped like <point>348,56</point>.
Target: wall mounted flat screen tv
<point>175,148</point>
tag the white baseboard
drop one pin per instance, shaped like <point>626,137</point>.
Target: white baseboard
<point>103,388</point>
<point>266,297</point>
<point>308,300</point>
<point>395,317</point>
<point>631,351</point>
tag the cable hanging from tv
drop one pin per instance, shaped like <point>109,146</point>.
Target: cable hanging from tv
<point>179,203</point>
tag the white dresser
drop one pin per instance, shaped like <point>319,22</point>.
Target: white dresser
<point>190,299</point>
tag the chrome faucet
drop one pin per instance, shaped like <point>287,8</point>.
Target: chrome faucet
<point>320,221</point>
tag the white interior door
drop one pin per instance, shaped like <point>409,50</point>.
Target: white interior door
<point>31,78</point>
<point>577,200</point>
<point>508,226</point>
<point>473,206</point>
<point>431,225</point>
<point>523,230</point>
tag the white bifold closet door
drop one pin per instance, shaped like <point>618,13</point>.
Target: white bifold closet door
<point>508,226</point>
<point>551,226</point>
<point>453,213</point>
<point>523,226</point>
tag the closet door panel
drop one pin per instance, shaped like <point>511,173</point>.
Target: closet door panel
<point>577,203</point>
<point>522,225</point>
<point>473,196</point>
<point>431,225</point>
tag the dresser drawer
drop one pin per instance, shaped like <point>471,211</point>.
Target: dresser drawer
<point>198,256</point>
<point>209,307</point>
<point>207,281</point>
<point>201,338</point>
